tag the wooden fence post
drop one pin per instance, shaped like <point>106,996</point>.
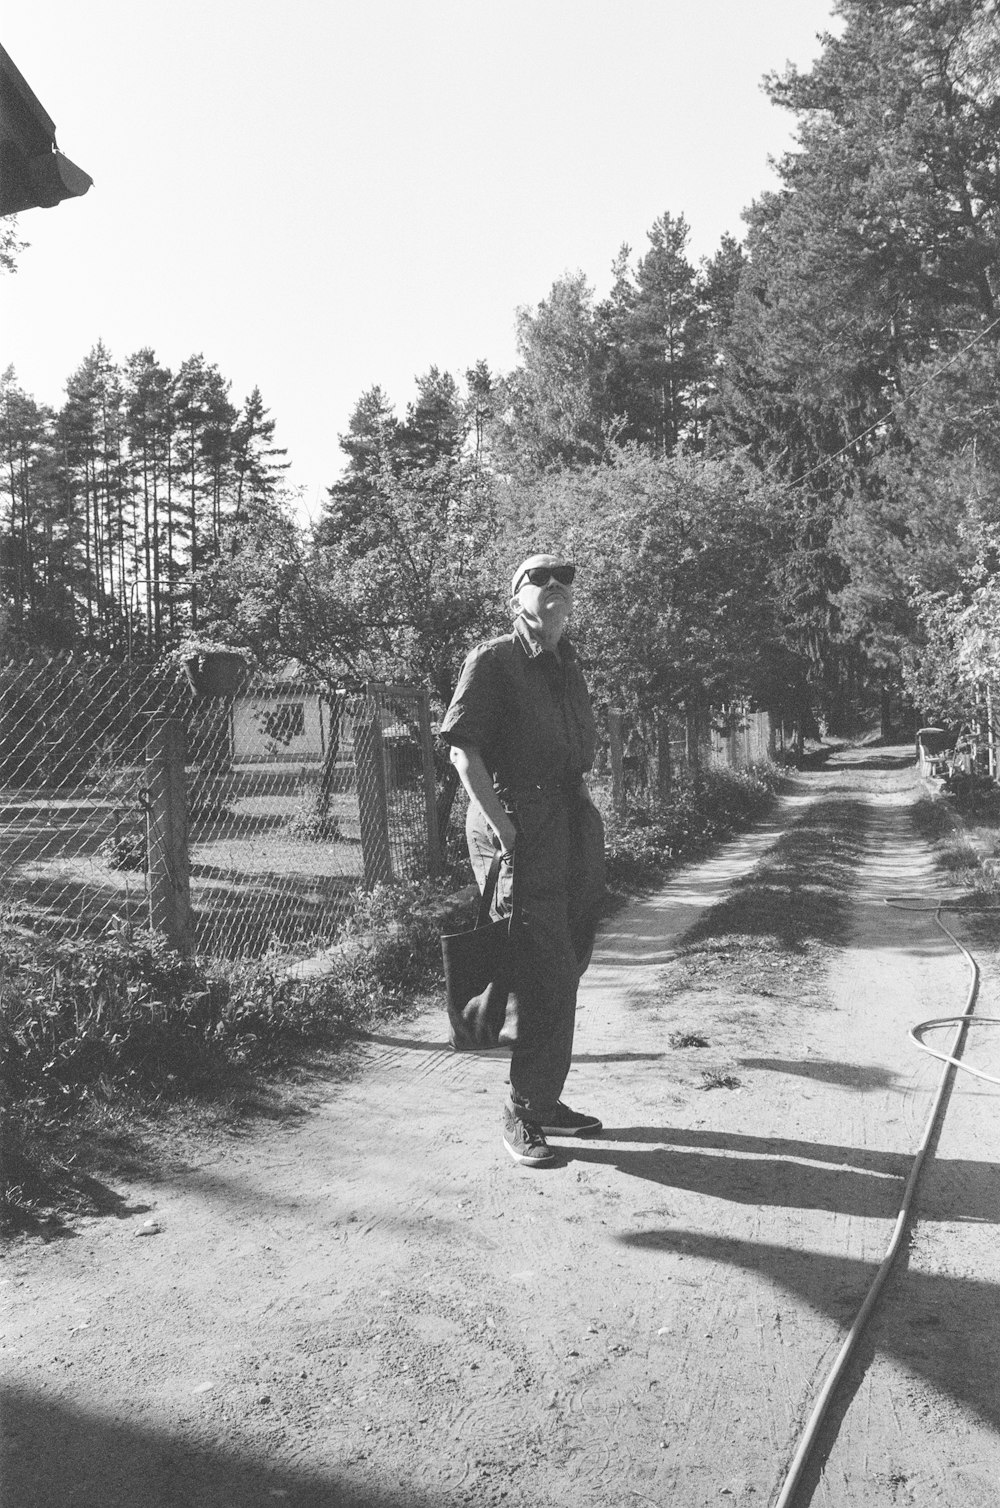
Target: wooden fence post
<point>434,855</point>
<point>692,739</point>
<point>617,754</point>
<point>663,773</point>
<point>166,834</point>
<point>373,801</point>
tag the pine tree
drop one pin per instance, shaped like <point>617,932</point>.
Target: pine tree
<point>552,407</point>
<point>203,418</point>
<point>150,427</point>
<point>480,411</point>
<point>666,336</point>
<point>257,463</point>
<point>98,496</point>
<point>34,607</point>
<point>880,250</point>
<point>435,428</point>
<point>370,445</point>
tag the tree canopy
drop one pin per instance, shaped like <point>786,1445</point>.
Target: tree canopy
<point>777,465</point>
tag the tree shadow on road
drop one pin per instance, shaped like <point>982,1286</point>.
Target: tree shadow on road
<point>945,1328</point>
<point>55,1454</point>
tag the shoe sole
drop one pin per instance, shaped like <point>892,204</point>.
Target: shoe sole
<point>529,1162</point>
<point>580,1131</point>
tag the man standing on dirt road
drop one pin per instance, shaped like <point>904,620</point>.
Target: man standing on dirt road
<point>522,736</point>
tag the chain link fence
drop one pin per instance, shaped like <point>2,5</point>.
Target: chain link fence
<point>286,798</point>
<point>243,816</point>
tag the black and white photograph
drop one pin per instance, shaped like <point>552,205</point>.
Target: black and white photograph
<point>500,754</point>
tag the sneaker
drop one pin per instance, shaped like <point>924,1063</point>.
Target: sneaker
<point>525,1142</point>
<point>562,1121</point>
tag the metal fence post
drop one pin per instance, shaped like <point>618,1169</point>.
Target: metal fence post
<point>617,753</point>
<point>373,801</point>
<point>166,834</point>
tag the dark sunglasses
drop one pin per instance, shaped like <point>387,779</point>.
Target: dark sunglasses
<point>542,575</point>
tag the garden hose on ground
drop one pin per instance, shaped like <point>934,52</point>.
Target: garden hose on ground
<point>951,1060</point>
<point>917,1032</point>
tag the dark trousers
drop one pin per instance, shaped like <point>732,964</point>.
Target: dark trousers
<point>559,874</point>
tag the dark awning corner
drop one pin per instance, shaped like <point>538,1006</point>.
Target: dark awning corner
<point>34,174</point>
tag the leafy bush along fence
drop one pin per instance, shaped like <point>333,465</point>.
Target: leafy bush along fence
<point>79,1016</point>
<point>645,765</point>
<point>122,786</point>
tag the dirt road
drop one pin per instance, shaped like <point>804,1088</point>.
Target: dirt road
<point>374,1306</point>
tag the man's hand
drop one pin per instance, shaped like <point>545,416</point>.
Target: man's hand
<point>506,834</point>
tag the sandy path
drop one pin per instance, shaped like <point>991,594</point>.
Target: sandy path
<point>377,1307</point>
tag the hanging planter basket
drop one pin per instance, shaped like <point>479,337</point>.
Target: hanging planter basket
<point>216,672</point>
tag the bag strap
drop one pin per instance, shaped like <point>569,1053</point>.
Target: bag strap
<point>489,890</point>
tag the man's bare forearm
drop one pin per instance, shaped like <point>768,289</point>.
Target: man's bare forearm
<point>474,775</point>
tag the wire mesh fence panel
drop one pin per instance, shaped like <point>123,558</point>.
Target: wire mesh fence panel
<point>278,786</point>
<point>274,845</point>
<point>291,797</point>
<point>72,825</point>
<point>402,716</point>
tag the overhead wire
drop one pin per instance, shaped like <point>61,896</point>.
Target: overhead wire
<point>877,423</point>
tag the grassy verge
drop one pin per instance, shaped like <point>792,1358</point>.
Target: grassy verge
<point>110,1053</point>
<point>965,836</point>
<point>647,841</point>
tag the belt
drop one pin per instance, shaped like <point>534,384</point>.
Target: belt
<point>543,788</point>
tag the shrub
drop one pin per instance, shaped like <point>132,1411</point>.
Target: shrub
<point>390,949</point>
<point>125,848</point>
<point>312,820</point>
<point>75,1012</point>
<point>76,1016</point>
<point>648,839</point>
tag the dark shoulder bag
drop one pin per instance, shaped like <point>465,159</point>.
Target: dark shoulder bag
<point>478,973</point>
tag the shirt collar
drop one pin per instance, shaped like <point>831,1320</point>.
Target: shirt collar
<point>531,646</point>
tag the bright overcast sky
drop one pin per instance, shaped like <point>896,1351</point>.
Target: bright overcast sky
<point>321,195</point>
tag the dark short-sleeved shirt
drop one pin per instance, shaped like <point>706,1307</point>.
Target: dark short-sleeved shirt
<point>526,710</point>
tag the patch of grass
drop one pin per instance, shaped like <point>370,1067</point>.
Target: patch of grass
<point>966,841</point>
<point>932,819</point>
<point>957,857</point>
<point>687,1039</point>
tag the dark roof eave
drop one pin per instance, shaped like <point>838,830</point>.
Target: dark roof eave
<point>38,182</point>
<point>34,174</point>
